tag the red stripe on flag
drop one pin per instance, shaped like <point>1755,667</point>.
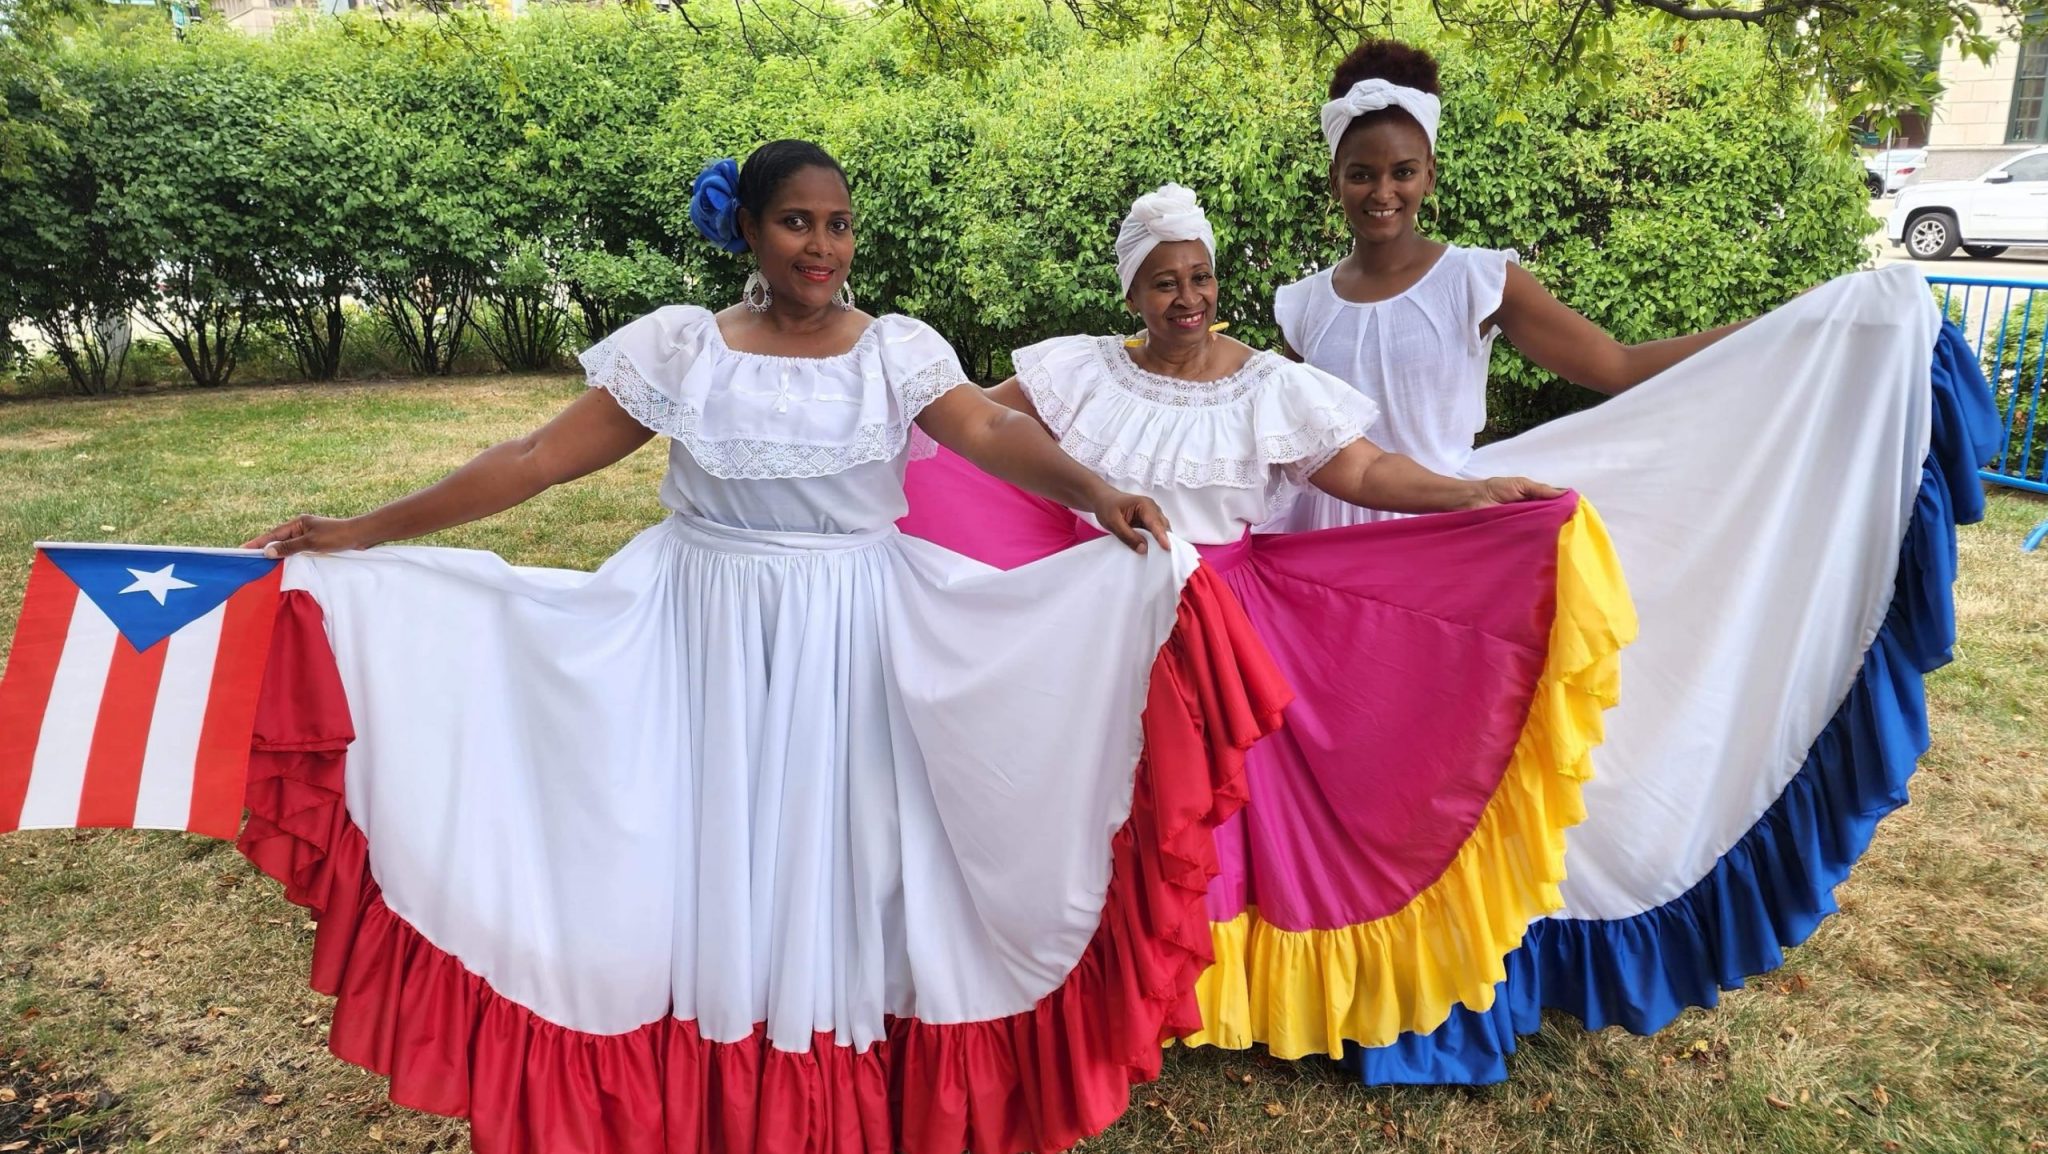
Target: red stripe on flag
<point>222,772</point>
<point>113,767</point>
<point>31,669</point>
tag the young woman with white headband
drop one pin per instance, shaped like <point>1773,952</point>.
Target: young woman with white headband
<point>1783,503</point>
<point>1449,671</point>
<point>1411,320</point>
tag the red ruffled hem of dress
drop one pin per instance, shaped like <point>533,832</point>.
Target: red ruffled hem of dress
<point>1039,1080</point>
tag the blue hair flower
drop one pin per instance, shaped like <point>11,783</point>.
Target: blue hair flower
<point>715,205</point>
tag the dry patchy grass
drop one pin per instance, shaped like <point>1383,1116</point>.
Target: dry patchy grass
<point>160,982</point>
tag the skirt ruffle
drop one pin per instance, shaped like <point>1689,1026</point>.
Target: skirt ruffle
<point>1317,990</point>
<point>1038,1080</point>
<point>1407,825</point>
<point>1775,885</point>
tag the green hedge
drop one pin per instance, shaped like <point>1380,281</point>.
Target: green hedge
<point>533,177</point>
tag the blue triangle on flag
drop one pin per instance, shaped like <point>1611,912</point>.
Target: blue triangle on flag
<point>150,594</point>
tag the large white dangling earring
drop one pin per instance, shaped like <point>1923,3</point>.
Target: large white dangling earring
<point>844,297</point>
<point>756,294</point>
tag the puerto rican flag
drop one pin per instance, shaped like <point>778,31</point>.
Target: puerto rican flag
<point>130,694</point>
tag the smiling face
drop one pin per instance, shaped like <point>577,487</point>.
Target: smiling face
<point>1383,169</point>
<point>1175,293</point>
<point>804,238</point>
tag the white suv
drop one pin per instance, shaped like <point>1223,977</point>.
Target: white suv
<point>2006,206</point>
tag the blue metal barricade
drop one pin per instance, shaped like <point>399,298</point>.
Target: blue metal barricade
<point>2006,321</point>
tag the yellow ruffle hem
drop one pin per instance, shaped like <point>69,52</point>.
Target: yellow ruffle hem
<point>1311,991</point>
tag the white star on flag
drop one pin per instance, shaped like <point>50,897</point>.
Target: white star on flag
<point>157,583</point>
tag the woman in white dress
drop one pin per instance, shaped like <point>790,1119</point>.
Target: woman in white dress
<point>780,831</point>
<point>1449,671</point>
<point>1410,321</point>
<point>1783,502</point>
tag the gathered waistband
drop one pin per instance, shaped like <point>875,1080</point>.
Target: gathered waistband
<point>1224,557</point>
<point>719,538</point>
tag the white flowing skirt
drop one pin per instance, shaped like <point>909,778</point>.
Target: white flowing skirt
<point>743,778</point>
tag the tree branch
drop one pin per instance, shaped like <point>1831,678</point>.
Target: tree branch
<point>1758,15</point>
<point>1564,42</point>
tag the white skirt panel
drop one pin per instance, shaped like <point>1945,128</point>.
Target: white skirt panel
<point>800,780</point>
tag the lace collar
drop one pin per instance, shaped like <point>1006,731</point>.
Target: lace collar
<point>862,345</point>
<point>1184,394</point>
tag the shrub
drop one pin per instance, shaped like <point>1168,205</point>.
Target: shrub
<point>368,346</point>
<point>470,178</point>
<point>523,318</point>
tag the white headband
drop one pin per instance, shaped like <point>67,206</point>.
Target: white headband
<point>1158,218</point>
<point>1373,95</point>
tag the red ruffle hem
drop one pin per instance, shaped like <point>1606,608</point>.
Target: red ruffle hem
<point>1040,1080</point>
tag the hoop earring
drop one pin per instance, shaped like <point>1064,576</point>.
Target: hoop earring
<point>756,295</point>
<point>844,297</point>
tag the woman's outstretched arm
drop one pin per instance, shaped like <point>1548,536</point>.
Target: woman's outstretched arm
<point>588,435</point>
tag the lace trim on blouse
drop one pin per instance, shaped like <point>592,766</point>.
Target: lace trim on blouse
<point>1300,452</point>
<point>753,459</point>
<point>928,384</point>
<point>1161,389</point>
<point>1332,433</point>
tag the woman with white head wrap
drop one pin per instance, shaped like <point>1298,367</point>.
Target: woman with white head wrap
<point>1738,783</point>
<point>1290,426</point>
<point>1170,215</point>
<point>1449,671</point>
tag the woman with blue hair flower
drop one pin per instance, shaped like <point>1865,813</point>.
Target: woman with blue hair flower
<point>782,830</point>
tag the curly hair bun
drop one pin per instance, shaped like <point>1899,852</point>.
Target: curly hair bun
<point>1388,60</point>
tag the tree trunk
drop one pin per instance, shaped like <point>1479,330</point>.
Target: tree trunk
<point>429,315</point>
<point>522,328</point>
<point>600,318</point>
<point>92,345</point>
<point>314,322</point>
<point>205,325</point>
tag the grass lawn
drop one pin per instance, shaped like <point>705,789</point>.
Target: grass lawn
<point>152,986</point>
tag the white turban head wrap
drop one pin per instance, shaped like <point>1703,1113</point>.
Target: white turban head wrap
<point>1373,95</point>
<point>1158,218</point>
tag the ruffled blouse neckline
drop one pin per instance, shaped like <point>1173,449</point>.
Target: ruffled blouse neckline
<point>1179,392</point>
<point>861,345</point>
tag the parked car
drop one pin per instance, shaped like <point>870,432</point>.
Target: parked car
<point>1886,172</point>
<point>2006,206</point>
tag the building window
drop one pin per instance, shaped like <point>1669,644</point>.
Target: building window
<point>2030,95</point>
